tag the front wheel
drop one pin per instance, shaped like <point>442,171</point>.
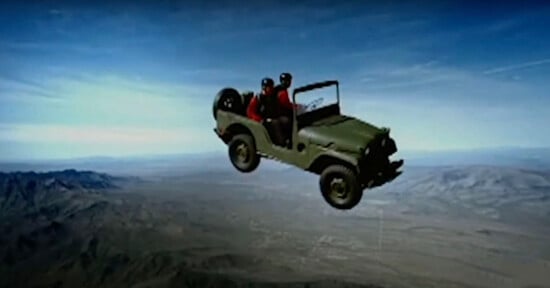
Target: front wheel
<point>243,153</point>
<point>339,187</point>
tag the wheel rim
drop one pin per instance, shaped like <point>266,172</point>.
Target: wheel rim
<point>339,190</point>
<point>242,153</point>
<point>227,103</point>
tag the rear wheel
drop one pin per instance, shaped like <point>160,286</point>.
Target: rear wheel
<point>243,153</point>
<point>228,99</point>
<point>339,187</point>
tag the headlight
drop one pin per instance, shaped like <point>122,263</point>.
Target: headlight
<point>367,151</point>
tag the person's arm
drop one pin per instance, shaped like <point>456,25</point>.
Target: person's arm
<point>285,101</point>
<point>252,110</point>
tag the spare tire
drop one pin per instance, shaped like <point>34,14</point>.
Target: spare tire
<point>228,99</point>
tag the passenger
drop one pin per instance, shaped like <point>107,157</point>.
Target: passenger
<point>267,108</point>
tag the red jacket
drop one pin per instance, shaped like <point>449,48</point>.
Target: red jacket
<point>252,110</point>
<point>283,100</point>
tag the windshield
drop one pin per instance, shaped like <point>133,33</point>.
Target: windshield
<point>316,99</point>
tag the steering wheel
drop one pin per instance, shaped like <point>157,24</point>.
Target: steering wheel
<point>314,104</point>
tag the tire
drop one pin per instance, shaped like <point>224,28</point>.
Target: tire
<point>352,193</point>
<point>228,99</point>
<point>243,163</point>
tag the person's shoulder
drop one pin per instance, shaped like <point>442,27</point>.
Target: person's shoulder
<point>278,89</point>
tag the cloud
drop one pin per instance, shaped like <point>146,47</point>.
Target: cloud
<point>299,22</point>
<point>66,83</point>
<point>502,25</point>
<point>8,78</point>
<point>55,12</point>
<point>52,46</point>
<point>17,89</point>
<point>509,68</point>
<point>106,114</point>
<point>417,123</point>
<point>439,80</point>
<point>107,100</point>
<point>85,140</point>
<point>434,105</point>
<point>98,135</point>
<point>393,75</point>
<point>119,99</point>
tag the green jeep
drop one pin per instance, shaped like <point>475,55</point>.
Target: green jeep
<point>349,154</point>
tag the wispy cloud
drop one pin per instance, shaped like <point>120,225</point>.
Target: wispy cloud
<point>393,75</point>
<point>106,100</point>
<point>7,77</point>
<point>438,85</point>
<point>414,70</point>
<point>14,88</point>
<point>514,67</point>
<point>51,46</point>
<point>502,25</point>
<point>83,140</point>
<point>98,135</point>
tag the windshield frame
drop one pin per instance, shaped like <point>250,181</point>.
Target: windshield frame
<point>309,117</point>
<point>317,85</point>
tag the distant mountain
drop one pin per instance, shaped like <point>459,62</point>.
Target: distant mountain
<point>181,164</point>
<point>502,193</point>
<point>165,165</point>
<point>21,191</point>
<point>70,177</point>
<point>531,158</point>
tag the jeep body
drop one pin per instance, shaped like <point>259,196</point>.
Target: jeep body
<point>320,138</point>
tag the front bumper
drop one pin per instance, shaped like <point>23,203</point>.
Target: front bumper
<point>381,146</point>
<point>376,168</point>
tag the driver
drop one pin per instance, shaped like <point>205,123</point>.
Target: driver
<point>285,80</point>
<point>268,109</point>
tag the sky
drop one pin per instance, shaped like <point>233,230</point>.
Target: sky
<point>119,78</point>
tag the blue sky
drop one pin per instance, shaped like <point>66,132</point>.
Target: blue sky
<point>78,79</point>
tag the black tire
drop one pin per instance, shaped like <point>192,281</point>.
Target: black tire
<point>352,191</point>
<point>228,99</point>
<point>249,160</point>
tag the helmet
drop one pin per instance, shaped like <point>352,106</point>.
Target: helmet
<point>285,77</point>
<point>267,82</point>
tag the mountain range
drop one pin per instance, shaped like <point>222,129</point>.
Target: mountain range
<point>174,226</point>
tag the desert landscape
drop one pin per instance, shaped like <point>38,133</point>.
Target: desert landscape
<point>447,226</point>
<point>113,173</point>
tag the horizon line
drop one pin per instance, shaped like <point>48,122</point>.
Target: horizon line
<point>217,152</point>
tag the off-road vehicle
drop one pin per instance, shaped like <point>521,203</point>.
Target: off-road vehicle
<point>350,155</point>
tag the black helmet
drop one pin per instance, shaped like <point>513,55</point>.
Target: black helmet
<point>267,82</point>
<point>285,77</point>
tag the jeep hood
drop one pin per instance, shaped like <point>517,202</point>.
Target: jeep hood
<point>342,133</point>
